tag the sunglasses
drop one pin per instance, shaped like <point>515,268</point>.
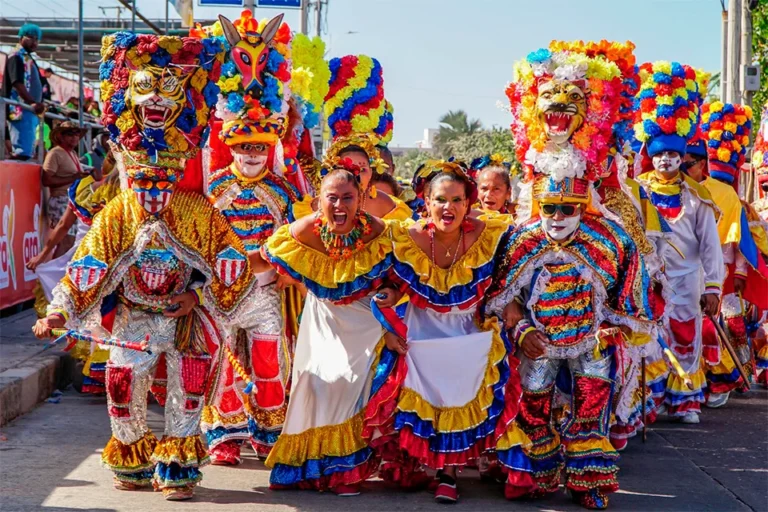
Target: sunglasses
<point>568,210</point>
<point>148,184</point>
<point>247,148</point>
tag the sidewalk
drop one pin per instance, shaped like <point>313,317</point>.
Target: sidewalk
<point>26,379</point>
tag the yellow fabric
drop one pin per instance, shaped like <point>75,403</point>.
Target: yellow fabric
<point>319,267</point>
<point>618,202</point>
<point>581,446</point>
<point>196,226</point>
<point>460,274</point>
<point>650,214</point>
<point>327,441</point>
<point>729,204</point>
<point>513,436</point>
<point>675,383</point>
<point>129,458</point>
<point>402,211</point>
<point>184,451</point>
<point>303,208</point>
<point>756,228</point>
<point>656,370</point>
<point>506,218</point>
<point>99,355</point>
<point>81,351</point>
<point>672,187</point>
<point>474,412</point>
<point>211,416</point>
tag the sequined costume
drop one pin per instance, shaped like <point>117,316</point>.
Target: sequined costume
<point>321,446</point>
<point>454,395</point>
<point>255,204</point>
<point>150,244</point>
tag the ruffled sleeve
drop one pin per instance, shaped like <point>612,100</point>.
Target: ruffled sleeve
<point>462,286</point>
<point>303,208</point>
<point>402,211</point>
<point>342,281</point>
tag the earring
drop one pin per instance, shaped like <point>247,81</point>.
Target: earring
<point>373,192</point>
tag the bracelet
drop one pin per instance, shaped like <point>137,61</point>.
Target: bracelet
<point>522,328</point>
<point>61,314</point>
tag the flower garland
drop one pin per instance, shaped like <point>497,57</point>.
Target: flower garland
<point>202,58</point>
<point>355,101</point>
<point>342,246</point>
<point>309,77</point>
<point>727,127</point>
<point>592,141</point>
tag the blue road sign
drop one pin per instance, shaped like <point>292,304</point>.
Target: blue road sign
<point>220,3</point>
<point>286,4</point>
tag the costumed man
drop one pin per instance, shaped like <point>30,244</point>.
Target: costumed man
<point>713,160</point>
<point>758,224</point>
<point>256,199</point>
<point>360,121</point>
<point>577,275</point>
<point>668,112</point>
<point>167,256</point>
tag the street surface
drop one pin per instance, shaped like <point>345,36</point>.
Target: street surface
<point>49,460</point>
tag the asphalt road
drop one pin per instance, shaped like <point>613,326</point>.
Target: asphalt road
<point>49,460</point>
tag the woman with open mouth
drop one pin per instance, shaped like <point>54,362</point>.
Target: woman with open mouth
<point>342,255</point>
<point>451,388</point>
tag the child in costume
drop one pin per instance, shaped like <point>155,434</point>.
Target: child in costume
<point>451,387</point>
<point>668,110</point>
<point>342,255</point>
<point>578,275</point>
<point>256,199</point>
<point>161,253</point>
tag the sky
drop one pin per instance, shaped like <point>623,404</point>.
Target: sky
<point>441,55</point>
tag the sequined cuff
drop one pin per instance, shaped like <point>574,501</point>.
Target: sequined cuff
<point>59,312</point>
<point>522,328</point>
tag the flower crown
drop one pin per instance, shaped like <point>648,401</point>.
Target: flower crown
<point>589,145</point>
<point>431,168</point>
<point>667,106</point>
<point>355,101</point>
<point>365,141</point>
<point>196,62</point>
<point>252,113</point>
<point>346,164</point>
<point>494,160</point>
<point>727,128</point>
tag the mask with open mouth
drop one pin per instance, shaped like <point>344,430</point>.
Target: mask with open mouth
<point>561,107</point>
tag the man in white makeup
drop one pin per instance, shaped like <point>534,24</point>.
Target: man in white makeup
<point>691,253</point>
<point>256,199</point>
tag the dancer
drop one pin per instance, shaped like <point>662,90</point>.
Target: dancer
<point>162,252</point>
<point>494,187</point>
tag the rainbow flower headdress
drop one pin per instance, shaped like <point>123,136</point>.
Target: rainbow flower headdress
<point>431,168</point>
<point>667,105</point>
<point>364,141</point>
<point>254,80</point>
<point>760,151</point>
<point>157,93</point>
<point>355,102</point>
<point>564,103</point>
<point>727,128</point>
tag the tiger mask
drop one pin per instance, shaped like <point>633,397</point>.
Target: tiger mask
<point>561,107</point>
<point>157,95</point>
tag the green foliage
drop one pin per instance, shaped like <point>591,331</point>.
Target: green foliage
<point>484,142</point>
<point>760,52</point>
<point>406,164</point>
<point>454,124</point>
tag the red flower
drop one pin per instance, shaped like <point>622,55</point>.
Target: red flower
<point>131,138</point>
<point>668,125</point>
<point>664,90</point>
<point>678,82</point>
<point>119,78</point>
<point>682,113</point>
<point>648,105</point>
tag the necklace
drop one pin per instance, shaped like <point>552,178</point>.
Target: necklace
<point>343,246</point>
<point>448,247</point>
<point>448,253</point>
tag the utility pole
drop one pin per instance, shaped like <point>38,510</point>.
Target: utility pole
<point>133,16</point>
<point>303,14</point>
<point>251,6</point>
<point>80,65</point>
<point>734,54</point>
<point>166,16</point>
<point>724,54</point>
<point>746,52</point>
<point>318,16</point>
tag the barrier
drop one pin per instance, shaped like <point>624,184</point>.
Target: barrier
<point>20,232</point>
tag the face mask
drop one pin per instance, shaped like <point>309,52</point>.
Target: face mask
<point>667,162</point>
<point>250,166</point>
<point>560,229</point>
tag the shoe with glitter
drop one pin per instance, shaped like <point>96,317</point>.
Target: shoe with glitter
<point>593,499</point>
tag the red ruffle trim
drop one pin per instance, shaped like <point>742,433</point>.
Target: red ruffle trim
<point>605,482</point>
<point>679,410</point>
<point>422,303</point>
<point>354,476</point>
<point>419,448</point>
<point>513,394</point>
<point>380,411</point>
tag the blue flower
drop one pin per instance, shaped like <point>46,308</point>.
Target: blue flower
<point>662,78</point>
<point>118,102</point>
<point>235,102</point>
<point>274,59</point>
<point>228,69</point>
<point>105,69</point>
<point>727,136</point>
<point>270,97</point>
<point>538,56</point>
<point>728,108</point>
<point>187,120</point>
<point>677,70</point>
<point>161,58</point>
<point>124,39</point>
<point>211,93</point>
<point>651,128</point>
<point>114,132</point>
<point>153,140</point>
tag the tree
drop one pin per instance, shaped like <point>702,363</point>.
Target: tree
<point>406,164</point>
<point>713,90</point>
<point>483,142</point>
<point>453,125</point>
<point>760,53</point>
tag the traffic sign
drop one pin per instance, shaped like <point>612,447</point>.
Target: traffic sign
<point>285,4</point>
<point>220,3</point>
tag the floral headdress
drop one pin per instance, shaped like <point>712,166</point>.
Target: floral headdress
<point>256,111</point>
<point>431,168</point>
<point>556,166</point>
<point>760,151</point>
<point>480,163</point>
<point>727,128</point>
<point>355,101</point>
<point>697,145</point>
<point>365,141</point>
<point>667,105</point>
<point>132,64</point>
<point>309,77</point>
<point>346,164</point>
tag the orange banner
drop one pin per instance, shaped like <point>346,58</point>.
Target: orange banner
<point>21,204</point>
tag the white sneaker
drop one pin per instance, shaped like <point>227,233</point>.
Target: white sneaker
<point>661,410</point>
<point>691,418</point>
<point>716,400</point>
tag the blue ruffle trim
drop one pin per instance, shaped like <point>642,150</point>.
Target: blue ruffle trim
<point>515,459</point>
<point>173,475</point>
<point>592,462</point>
<point>456,296</point>
<point>262,436</point>
<point>724,378</point>
<point>676,398</point>
<point>314,469</point>
<point>222,435</point>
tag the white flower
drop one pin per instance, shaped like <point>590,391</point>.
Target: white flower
<point>222,111</point>
<point>557,162</point>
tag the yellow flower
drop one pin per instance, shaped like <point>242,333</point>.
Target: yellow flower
<point>717,106</point>
<point>107,47</point>
<point>716,134</point>
<point>216,29</point>
<point>176,142</point>
<point>665,100</point>
<point>681,92</point>
<point>730,127</point>
<point>136,59</point>
<point>230,84</point>
<point>202,116</point>
<point>199,79</point>
<point>125,122</point>
<point>662,67</point>
<point>748,111</point>
<point>740,120</point>
<point>723,154</point>
<point>107,90</point>
<point>170,44</point>
<point>683,126</point>
<point>736,146</point>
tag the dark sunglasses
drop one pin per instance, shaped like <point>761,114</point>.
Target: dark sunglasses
<point>568,210</point>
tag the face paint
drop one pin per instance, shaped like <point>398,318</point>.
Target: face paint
<point>250,166</point>
<point>560,228</point>
<point>153,196</point>
<point>667,162</point>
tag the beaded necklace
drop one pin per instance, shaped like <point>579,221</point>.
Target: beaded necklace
<point>342,246</point>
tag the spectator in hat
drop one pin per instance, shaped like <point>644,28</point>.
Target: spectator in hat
<point>61,169</point>
<point>21,82</point>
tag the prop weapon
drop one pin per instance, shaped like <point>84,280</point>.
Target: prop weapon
<point>726,342</point>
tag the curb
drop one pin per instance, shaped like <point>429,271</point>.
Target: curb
<point>22,389</point>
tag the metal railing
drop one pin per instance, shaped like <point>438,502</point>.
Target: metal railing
<point>83,147</point>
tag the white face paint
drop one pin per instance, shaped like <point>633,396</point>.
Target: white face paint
<point>560,229</point>
<point>250,166</point>
<point>667,162</point>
